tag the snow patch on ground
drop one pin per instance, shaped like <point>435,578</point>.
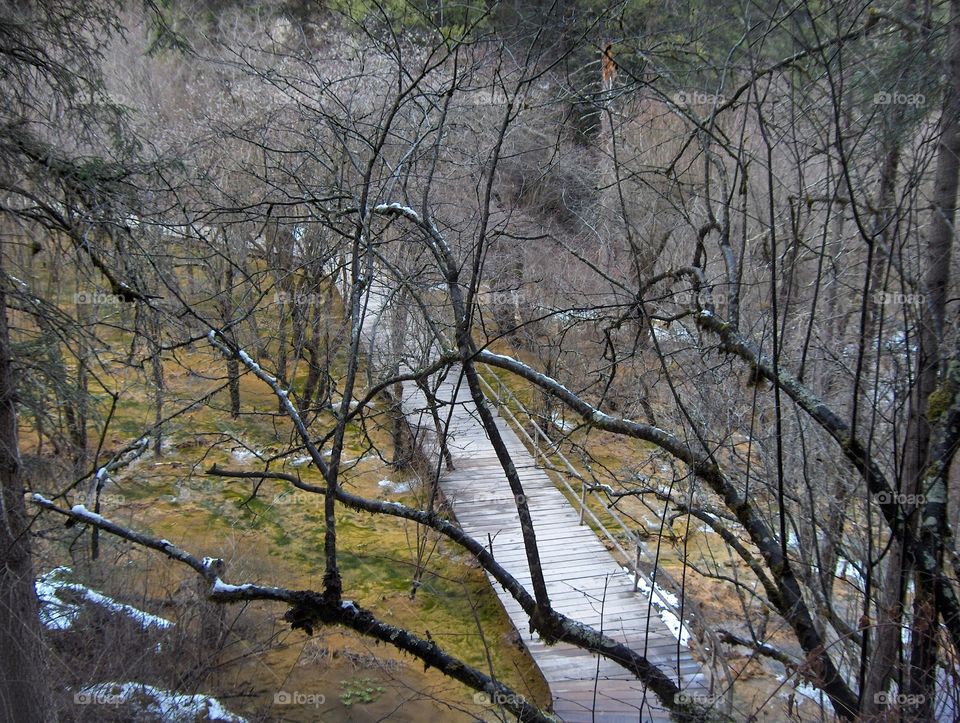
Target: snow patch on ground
<point>243,455</point>
<point>394,487</point>
<point>352,406</point>
<point>675,332</point>
<point>56,614</point>
<point>560,423</point>
<point>807,691</point>
<point>846,570</point>
<point>567,315</point>
<point>792,540</point>
<point>165,705</point>
<point>665,603</point>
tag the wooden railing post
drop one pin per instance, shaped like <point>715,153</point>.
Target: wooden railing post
<point>583,498</point>
<point>636,567</point>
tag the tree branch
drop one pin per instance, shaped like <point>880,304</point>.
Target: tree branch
<point>309,608</point>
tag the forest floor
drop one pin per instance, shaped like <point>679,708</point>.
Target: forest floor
<point>275,536</point>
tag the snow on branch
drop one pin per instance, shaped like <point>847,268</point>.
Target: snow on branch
<point>80,513</point>
<point>550,624</point>
<point>309,609</point>
<point>283,395</point>
<point>56,614</point>
<point>158,703</point>
<point>445,255</point>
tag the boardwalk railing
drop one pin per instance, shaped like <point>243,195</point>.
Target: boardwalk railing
<point>503,397</point>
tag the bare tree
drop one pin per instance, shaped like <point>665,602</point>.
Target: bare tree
<point>732,252</point>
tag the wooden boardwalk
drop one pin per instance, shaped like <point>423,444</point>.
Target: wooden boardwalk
<point>584,580</point>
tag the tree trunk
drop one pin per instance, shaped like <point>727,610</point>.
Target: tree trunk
<point>887,633</point>
<point>403,441</point>
<point>233,374</point>
<point>281,364</point>
<point>233,366</point>
<point>24,696</point>
<point>315,370</point>
<point>156,362</point>
<point>923,654</point>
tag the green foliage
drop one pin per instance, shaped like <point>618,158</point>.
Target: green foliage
<point>433,15</point>
<point>163,37</point>
<point>162,34</point>
<point>939,401</point>
<point>359,690</point>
